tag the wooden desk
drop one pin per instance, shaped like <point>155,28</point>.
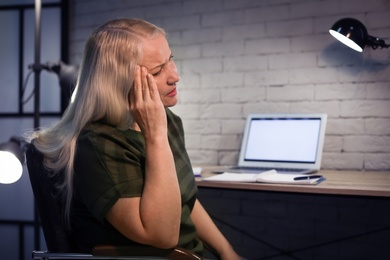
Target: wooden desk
<point>344,217</point>
<point>359,183</point>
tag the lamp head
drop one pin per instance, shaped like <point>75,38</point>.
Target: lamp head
<point>67,75</point>
<point>351,32</point>
<point>12,158</point>
<point>354,34</point>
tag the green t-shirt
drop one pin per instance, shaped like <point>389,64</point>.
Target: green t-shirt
<point>110,164</point>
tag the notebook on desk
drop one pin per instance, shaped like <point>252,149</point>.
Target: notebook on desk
<point>288,143</point>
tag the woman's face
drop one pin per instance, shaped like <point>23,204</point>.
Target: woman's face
<point>157,59</point>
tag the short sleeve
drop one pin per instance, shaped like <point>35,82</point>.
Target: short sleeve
<point>109,165</point>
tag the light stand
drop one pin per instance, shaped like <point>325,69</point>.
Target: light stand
<point>67,79</point>
<point>37,73</point>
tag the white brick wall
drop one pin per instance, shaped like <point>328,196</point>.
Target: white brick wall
<point>241,57</point>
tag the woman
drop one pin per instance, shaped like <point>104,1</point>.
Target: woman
<point>120,152</point>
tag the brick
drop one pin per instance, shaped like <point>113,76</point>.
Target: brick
<point>189,110</point>
<point>203,157</point>
<point>222,49</point>
<point>162,10</point>
<point>223,18</point>
<point>377,126</point>
<point>224,79</point>
<point>346,161</point>
<point>221,141</point>
<point>221,111</point>
<point>340,91</point>
<point>376,74</point>
<point>267,46</point>
<point>202,127</point>
<point>290,28</point>
<point>345,126</point>
<point>292,60</point>
<point>189,81</point>
<point>201,66</point>
<point>331,108</point>
<point>203,35</point>
<point>267,13</point>
<point>235,126</point>
<point>265,107</point>
<point>243,94</point>
<point>245,63</point>
<point>378,90</point>
<point>174,38</point>
<point>196,96</point>
<point>307,8</point>
<point>228,157</point>
<point>361,6</point>
<point>243,4</point>
<point>266,77</point>
<point>333,143</point>
<point>364,108</point>
<point>243,32</point>
<point>379,19</point>
<point>201,6</point>
<point>181,23</point>
<point>311,75</point>
<point>357,143</point>
<point>317,42</point>
<point>193,140</point>
<point>290,93</point>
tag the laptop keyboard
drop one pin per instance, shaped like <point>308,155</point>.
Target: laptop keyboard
<point>260,169</point>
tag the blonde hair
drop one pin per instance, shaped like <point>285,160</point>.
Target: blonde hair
<point>102,93</point>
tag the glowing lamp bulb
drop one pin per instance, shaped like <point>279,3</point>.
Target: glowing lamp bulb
<point>10,168</point>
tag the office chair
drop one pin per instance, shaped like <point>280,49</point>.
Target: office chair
<point>59,243</point>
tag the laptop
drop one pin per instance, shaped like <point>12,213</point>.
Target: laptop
<point>288,143</point>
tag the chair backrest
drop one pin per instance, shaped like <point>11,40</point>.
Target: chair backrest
<point>48,205</point>
<point>57,238</point>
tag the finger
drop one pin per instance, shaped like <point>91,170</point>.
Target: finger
<point>144,81</point>
<point>137,86</point>
<point>154,94</point>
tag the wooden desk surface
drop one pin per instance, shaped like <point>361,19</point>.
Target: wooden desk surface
<point>359,183</point>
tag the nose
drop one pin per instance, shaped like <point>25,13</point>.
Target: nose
<point>173,76</point>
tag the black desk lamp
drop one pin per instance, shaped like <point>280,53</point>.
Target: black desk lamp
<point>354,34</point>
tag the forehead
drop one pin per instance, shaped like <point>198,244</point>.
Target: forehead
<point>155,51</point>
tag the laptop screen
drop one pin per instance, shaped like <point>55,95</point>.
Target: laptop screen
<point>283,140</point>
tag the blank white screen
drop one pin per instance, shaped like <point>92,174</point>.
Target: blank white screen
<point>289,140</point>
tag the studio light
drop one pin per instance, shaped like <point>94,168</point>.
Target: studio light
<point>67,75</point>
<point>354,34</point>
<point>12,158</point>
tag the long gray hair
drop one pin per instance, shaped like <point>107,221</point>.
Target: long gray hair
<point>102,93</point>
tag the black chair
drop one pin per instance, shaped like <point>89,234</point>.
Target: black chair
<point>59,243</point>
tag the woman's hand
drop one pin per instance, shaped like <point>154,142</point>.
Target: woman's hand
<point>153,218</point>
<point>146,106</point>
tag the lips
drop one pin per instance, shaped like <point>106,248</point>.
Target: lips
<point>172,93</point>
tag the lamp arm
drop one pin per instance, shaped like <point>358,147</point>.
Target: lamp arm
<point>48,66</point>
<point>375,42</point>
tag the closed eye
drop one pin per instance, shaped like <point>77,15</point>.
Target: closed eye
<point>161,68</point>
<point>157,73</point>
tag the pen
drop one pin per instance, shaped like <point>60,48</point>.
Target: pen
<point>307,177</point>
